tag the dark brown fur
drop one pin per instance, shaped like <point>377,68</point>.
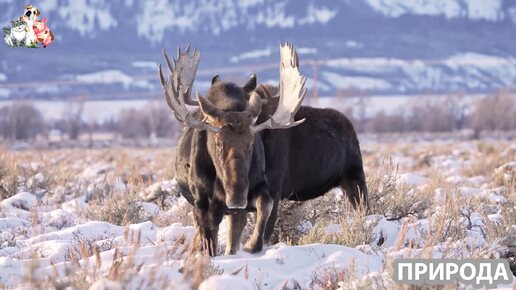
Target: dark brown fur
<point>306,161</point>
<point>224,173</point>
<point>235,167</point>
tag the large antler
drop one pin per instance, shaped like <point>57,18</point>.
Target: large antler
<point>292,92</point>
<point>185,68</point>
<point>178,87</point>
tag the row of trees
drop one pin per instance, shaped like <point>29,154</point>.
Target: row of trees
<point>494,112</point>
<point>22,120</point>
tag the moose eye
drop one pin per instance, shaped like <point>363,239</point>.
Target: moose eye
<point>219,144</point>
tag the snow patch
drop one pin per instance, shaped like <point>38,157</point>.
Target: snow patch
<point>254,54</point>
<point>145,64</point>
<point>412,179</point>
<point>363,83</point>
<point>224,282</point>
<point>280,263</point>
<point>306,50</point>
<point>23,200</point>
<point>85,16</point>
<point>106,77</point>
<point>318,15</point>
<point>490,10</point>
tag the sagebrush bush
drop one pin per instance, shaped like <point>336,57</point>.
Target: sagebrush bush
<point>356,228</point>
<point>495,112</point>
<point>295,219</point>
<point>119,207</point>
<point>391,199</point>
<point>291,223</point>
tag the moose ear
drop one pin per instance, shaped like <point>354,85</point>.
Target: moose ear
<point>251,84</point>
<point>37,12</point>
<point>215,79</point>
<point>255,105</point>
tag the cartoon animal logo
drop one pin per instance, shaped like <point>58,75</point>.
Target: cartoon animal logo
<point>42,32</point>
<point>16,35</point>
<point>30,15</point>
<point>36,31</point>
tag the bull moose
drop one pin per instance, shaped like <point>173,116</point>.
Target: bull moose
<point>247,147</point>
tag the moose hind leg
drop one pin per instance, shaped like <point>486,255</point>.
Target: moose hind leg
<point>263,211</point>
<point>355,188</point>
<point>269,229</point>
<point>236,224</point>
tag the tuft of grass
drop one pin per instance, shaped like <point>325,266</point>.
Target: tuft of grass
<point>118,206</point>
<point>488,158</point>
<point>330,278</point>
<point>9,174</point>
<point>502,229</point>
<point>356,228</point>
<point>447,223</point>
<point>182,215</point>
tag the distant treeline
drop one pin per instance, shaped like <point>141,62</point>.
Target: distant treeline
<point>23,121</point>
<point>493,112</point>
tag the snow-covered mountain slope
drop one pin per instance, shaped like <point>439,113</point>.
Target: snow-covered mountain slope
<point>155,18</point>
<point>460,72</point>
<point>410,43</point>
<point>491,10</point>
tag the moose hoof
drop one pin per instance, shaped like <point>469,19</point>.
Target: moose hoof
<point>254,247</point>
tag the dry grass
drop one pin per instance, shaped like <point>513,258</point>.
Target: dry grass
<point>113,196</point>
<point>9,172</point>
<point>85,268</point>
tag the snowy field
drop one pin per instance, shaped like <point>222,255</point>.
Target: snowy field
<point>112,219</point>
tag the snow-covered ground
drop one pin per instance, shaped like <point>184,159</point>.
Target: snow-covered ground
<point>63,225</point>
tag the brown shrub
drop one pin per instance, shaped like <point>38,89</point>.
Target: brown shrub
<point>495,112</point>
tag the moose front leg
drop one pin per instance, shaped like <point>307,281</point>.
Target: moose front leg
<point>236,222</point>
<point>263,204</point>
<point>207,220</point>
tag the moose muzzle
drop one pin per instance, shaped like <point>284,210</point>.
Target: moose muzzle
<point>236,200</point>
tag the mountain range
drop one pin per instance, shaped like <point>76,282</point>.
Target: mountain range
<point>110,49</point>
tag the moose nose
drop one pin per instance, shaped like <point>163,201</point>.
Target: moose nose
<point>236,203</point>
<point>28,13</point>
<point>241,205</point>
